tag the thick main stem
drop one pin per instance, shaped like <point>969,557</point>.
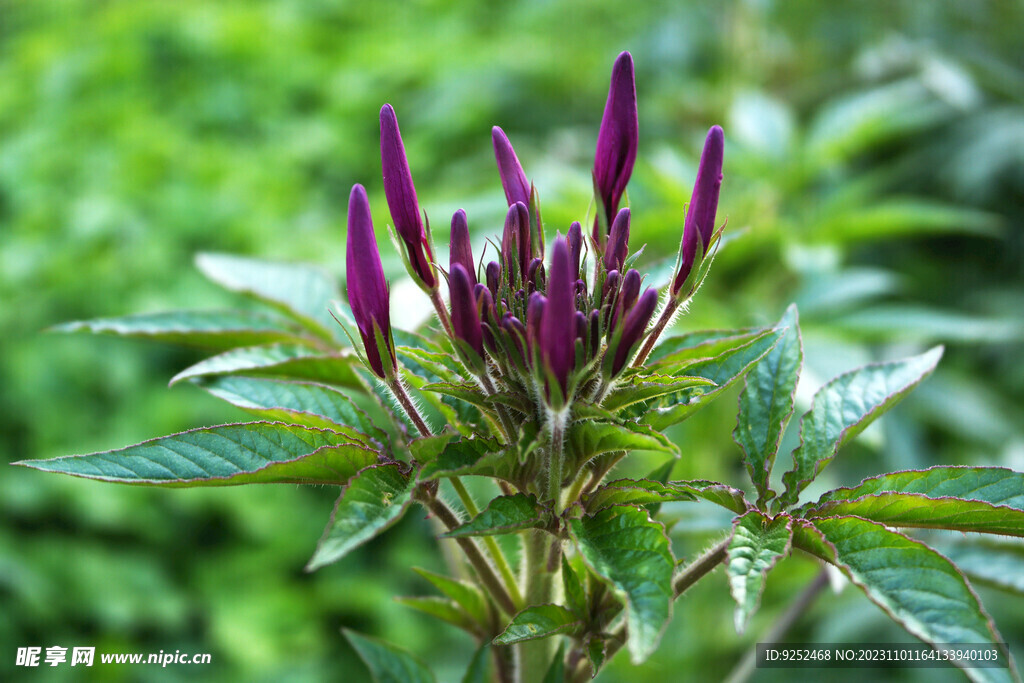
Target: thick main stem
<point>535,655</point>
<point>492,545</point>
<point>556,460</point>
<point>663,320</point>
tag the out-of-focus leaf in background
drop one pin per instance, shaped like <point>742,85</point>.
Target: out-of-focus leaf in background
<point>874,163</point>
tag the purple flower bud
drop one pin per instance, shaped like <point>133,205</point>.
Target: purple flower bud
<point>558,325</point>
<point>617,139</point>
<point>700,217</point>
<point>618,242</point>
<point>516,185</point>
<point>367,289</point>
<point>465,321</point>
<point>516,330</point>
<point>609,296</point>
<point>534,314</point>
<point>401,196</point>
<point>535,275</point>
<point>595,332</point>
<point>581,325</point>
<point>460,249</point>
<point>484,300</point>
<point>493,274</point>
<point>575,241</point>
<point>634,326</point>
<point>630,289</point>
<point>515,241</point>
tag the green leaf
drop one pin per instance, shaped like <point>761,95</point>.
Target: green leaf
<point>279,360</point>
<point>306,403</point>
<point>539,621</point>
<point>482,456</point>
<point>436,363</point>
<point>556,672</point>
<point>388,663</point>
<point>757,544</point>
<point>504,515</point>
<point>723,370</point>
<point>694,346</point>
<point>623,546</point>
<point>481,667</point>
<point>441,608</point>
<point>766,405</point>
<point>633,492</point>
<point>720,494</point>
<point>575,596</point>
<point>995,564</point>
<point>646,387</point>
<point>586,440</point>
<point>596,653</point>
<point>464,391</point>
<point>981,499</point>
<point>226,455</point>
<point>216,330</point>
<point>843,408</point>
<point>372,502</point>
<point>302,292</point>
<point>918,588</point>
<point>465,594</point>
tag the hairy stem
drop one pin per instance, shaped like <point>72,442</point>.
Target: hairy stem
<point>506,421</point>
<point>492,545</point>
<point>404,400</point>
<point>666,317</point>
<point>778,631</point>
<point>481,566</point>
<point>535,655</point>
<point>442,312</point>
<point>556,461</point>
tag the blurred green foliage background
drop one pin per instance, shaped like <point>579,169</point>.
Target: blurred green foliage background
<point>874,168</point>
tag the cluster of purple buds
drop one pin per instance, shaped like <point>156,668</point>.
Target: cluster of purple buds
<point>528,321</point>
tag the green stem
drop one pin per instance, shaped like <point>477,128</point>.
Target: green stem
<point>535,655</point>
<point>402,396</point>
<point>483,569</point>
<point>556,461</point>
<point>492,545</point>
<point>503,417</point>
<point>442,312</point>
<point>577,487</point>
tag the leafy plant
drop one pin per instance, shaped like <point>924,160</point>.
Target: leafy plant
<point>543,377</point>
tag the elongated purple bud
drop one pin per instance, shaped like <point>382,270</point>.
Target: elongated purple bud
<point>575,241</point>
<point>367,288</point>
<point>558,325</point>
<point>618,242</point>
<point>493,274</point>
<point>460,248</point>
<point>535,275</point>
<point>581,325</point>
<point>483,297</point>
<point>595,332</point>
<point>465,321</point>
<point>401,195</point>
<point>630,289</point>
<point>513,178</point>
<point>633,327</point>
<point>609,298</point>
<point>700,217</point>
<point>617,140</point>
<point>515,241</point>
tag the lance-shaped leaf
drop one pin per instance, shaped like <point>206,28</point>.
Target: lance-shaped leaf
<point>388,663</point>
<point>279,360</point>
<point>217,330</point>
<point>757,544</point>
<point>589,439</point>
<point>441,608</point>
<point>374,500</point>
<point>995,564</point>
<point>227,455</point>
<point>981,499</point>
<point>720,494</point>
<point>918,588</point>
<point>633,492</point>
<point>539,621</point>
<point>723,370</point>
<point>630,552</point>
<point>766,405</point>
<point>645,387</point>
<point>572,587</point>
<point>504,515</point>
<point>481,667</point>
<point>481,455</point>
<point>679,350</point>
<point>465,594</point>
<point>305,403</point>
<point>843,408</point>
<point>300,291</point>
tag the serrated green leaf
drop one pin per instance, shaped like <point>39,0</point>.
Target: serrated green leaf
<point>918,588</point>
<point>441,365</point>
<point>629,551</point>
<point>226,455</point>
<point>306,403</point>
<point>303,292</point>
<point>723,370</point>
<point>479,455</point>
<point>481,667</point>
<point>504,515</point>
<point>985,561</point>
<point>633,492</point>
<point>539,621</point>
<point>660,475</point>
<point>757,544</point>
<point>843,408</point>
<point>766,405</point>
<point>466,595</point>
<point>426,448</point>
<point>217,330</point>
<point>388,663</point>
<point>370,504</point>
<point>440,608</point>
<point>649,386</point>
<point>464,391</point>
<point>556,672</point>
<point>279,360</point>
<point>596,653</point>
<point>720,494</point>
<point>980,499</point>
<point>462,416</point>
<point>586,440</point>
<point>693,346</point>
<point>575,596</point>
